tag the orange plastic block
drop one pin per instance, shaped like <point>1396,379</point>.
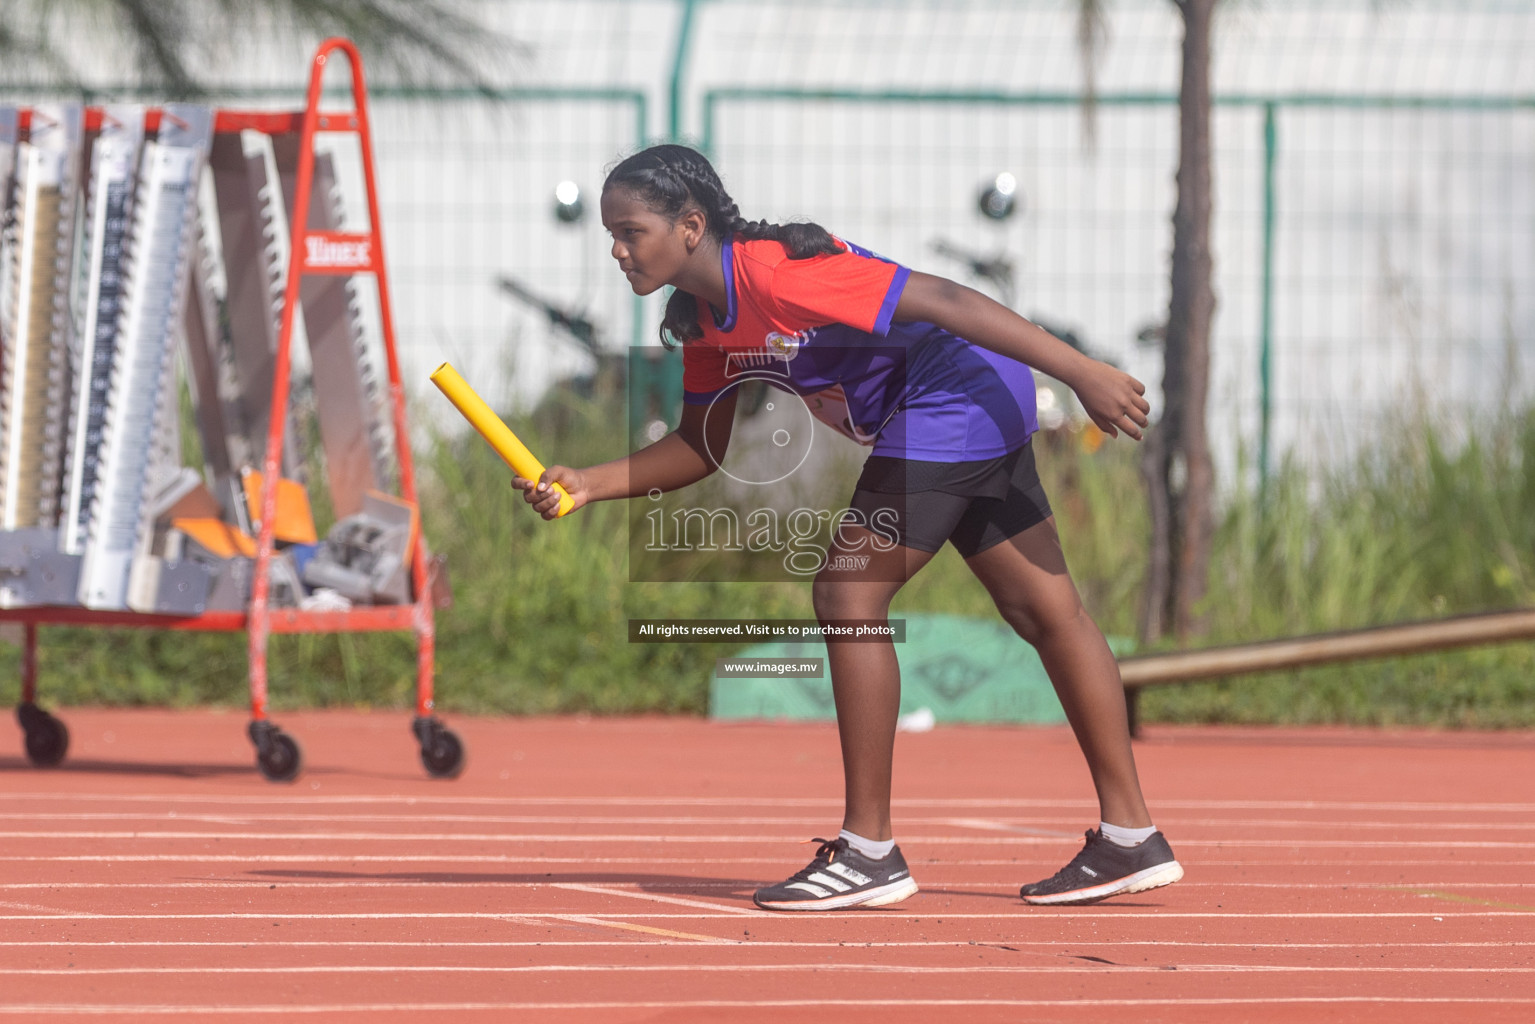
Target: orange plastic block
<point>217,536</point>
<point>295,520</point>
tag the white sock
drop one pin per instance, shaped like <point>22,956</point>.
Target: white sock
<point>868,847</point>
<point>1125,836</point>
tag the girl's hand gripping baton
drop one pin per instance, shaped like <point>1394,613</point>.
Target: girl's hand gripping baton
<point>493,429</point>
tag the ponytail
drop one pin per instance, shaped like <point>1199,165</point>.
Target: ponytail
<point>670,179</point>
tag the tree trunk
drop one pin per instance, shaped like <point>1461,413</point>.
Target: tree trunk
<point>1176,464</point>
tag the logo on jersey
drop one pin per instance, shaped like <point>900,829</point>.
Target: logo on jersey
<point>784,346</point>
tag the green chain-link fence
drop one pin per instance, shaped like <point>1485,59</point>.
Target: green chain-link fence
<point>1375,177</point>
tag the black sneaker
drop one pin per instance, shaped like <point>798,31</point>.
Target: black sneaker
<point>840,877</point>
<point>1104,869</point>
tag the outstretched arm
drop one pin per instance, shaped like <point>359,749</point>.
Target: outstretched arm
<point>685,456</point>
<point>1113,399</point>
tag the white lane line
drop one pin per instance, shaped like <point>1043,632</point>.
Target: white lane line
<point>690,938</point>
<point>712,839</point>
<point>184,817</point>
<point>653,897</point>
<point>450,799</point>
<point>1097,945</point>
<point>436,801</point>
<point>1168,822</point>
<point>492,882</point>
<point>502,858</point>
<point>52,911</point>
<point>987,825</point>
<point>1014,825</point>
<point>1108,912</point>
<point>819,967</point>
<point>120,1010</point>
<point>421,837</point>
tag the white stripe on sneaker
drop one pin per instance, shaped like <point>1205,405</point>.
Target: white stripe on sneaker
<point>851,874</point>
<point>835,884</point>
<point>814,890</point>
<point>879,896</point>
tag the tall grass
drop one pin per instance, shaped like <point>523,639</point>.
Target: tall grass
<point>1413,530</point>
<point>539,622</point>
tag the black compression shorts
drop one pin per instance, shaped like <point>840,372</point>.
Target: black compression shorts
<point>974,505</point>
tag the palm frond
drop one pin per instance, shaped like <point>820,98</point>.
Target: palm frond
<point>172,41</point>
<point>160,30</point>
<point>417,40</point>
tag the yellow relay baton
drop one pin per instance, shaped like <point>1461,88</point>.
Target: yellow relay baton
<point>493,429</point>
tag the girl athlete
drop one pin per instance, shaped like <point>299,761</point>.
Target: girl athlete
<point>937,377</point>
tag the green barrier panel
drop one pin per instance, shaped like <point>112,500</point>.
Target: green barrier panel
<point>961,669</point>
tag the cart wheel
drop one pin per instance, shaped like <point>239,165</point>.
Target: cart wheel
<point>281,761</point>
<point>444,757</point>
<point>47,740</point>
<point>277,754</point>
<point>442,752</point>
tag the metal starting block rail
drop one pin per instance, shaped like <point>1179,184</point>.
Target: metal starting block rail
<point>99,523</point>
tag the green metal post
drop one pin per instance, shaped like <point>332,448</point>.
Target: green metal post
<point>637,305</point>
<point>679,65</point>
<point>654,387</point>
<point>1266,329</point>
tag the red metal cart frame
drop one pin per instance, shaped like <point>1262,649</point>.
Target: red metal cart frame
<point>344,253</point>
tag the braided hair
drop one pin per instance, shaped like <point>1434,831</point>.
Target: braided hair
<point>670,179</point>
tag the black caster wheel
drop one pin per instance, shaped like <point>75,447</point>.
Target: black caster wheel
<point>442,752</point>
<point>47,741</point>
<point>277,754</point>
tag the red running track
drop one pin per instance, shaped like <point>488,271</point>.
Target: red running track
<point>601,870</point>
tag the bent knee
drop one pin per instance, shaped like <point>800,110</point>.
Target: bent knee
<point>1039,623</point>
<point>843,600</point>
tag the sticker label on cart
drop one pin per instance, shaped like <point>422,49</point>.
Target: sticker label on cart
<point>336,253</point>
